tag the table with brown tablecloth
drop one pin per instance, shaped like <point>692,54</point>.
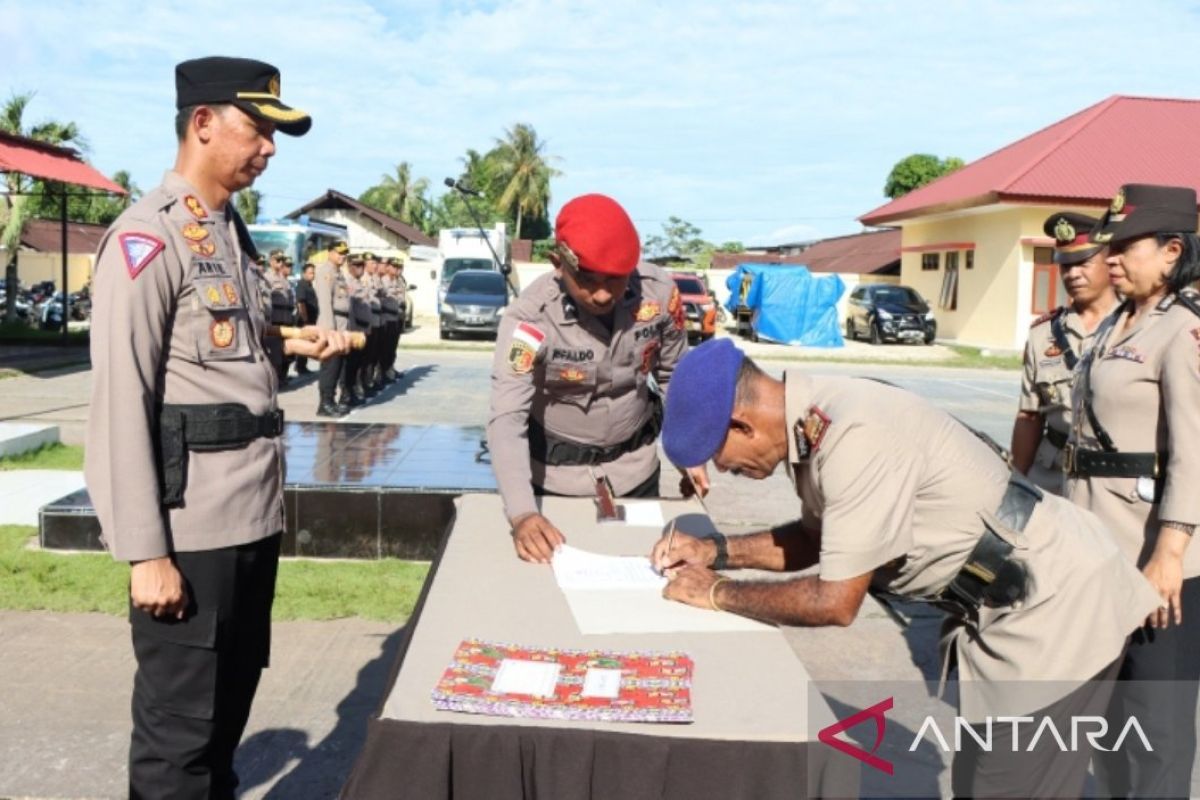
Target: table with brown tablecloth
<point>753,734</point>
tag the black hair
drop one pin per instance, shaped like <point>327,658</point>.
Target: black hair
<point>1187,269</point>
<point>183,117</point>
<point>746,393</point>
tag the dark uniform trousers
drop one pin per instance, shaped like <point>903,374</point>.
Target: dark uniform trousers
<point>1157,684</point>
<point>393,338</point>
<point>330,376</point>
<point>1010,768</point>
<point>196,677</point>
<point>353,364</point>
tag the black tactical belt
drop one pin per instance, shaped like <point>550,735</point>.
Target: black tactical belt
<point>1100,464</point>
<point>1057,438</point>
<point>205,428</point>
<point>990,576</point>
<point>555,452</point>
<point>345,314</point>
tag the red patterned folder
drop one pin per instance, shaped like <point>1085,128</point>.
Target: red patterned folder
<point>578,684</point>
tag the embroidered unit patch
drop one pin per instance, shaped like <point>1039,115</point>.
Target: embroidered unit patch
<point>139,250</point>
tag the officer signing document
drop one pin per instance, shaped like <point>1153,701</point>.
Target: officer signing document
<point>184,460</point>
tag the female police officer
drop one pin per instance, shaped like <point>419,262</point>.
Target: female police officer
<point>1135,462</point>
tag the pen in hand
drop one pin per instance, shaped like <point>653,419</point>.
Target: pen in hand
<point>670,542</point>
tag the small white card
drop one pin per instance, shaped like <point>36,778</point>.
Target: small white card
<point>644,513</point>
<point>602,683</point>
<point>537,678</point>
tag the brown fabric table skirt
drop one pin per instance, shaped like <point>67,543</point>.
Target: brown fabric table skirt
<point>427,761</point>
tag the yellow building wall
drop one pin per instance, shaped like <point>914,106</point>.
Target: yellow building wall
<point>34,267</point>
<point>995,297</point>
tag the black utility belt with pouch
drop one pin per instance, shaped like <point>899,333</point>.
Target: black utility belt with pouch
<point>991,576</point>
<point>1150,469</point>
<point>204,428</point>
<point>555,452</point>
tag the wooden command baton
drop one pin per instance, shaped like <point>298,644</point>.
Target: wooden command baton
<point>358,340</point>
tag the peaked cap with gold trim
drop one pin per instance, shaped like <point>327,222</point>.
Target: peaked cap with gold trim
<point>1071,232</point>
<point>252,86</point>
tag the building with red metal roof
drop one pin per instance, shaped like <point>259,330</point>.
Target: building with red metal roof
<point>972,240</point>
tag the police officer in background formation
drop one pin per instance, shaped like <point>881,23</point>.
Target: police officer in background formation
<point>306,307</point>
<point>900,497</point>
<point>371,383</point>
<point>333,313</point>
<point>283,304</point>
<point>1134,460</point>
<point>1057,342</point>
<point>184,460</point>
<point>581,357</point>
<point>360,320</point>
<point>391,303</point>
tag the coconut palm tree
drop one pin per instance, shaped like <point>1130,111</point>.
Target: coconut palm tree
<point>12,121</point>
<point>522,173</point>
<point>400,196</point>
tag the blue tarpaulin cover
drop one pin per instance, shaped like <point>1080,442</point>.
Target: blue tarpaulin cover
<point>789,304</point>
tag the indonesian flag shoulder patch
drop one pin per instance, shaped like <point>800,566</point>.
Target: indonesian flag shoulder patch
<point>139,250</point>
<point>526,342</point>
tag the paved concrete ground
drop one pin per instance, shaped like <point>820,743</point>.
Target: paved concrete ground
<point>66,678</point>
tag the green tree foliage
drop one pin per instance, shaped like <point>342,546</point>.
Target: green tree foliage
<point>913,172</point>
<point>513,179</point>
<point>247,202</point>
<point>519,166</point>
<point>679,238</point>
<point>400,196</point>
<point>44,199</point>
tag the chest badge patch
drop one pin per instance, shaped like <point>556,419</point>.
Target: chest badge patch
<point>195,207</point>
<point>139,250</point>
<point>675,308</point>
<point>523,350</point>
<point>572,374</point>
<point>205,249</point>
<point>648,356</point>
<point>222,332</point>
<point>213,295</point>
<point>231,295</point>
<point>1127,353</point>
<point>647,311</point>
<point>1053,351</point>
<point>194,232</point>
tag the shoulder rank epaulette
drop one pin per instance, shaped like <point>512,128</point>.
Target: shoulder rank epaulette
<point>1049,315</point>
<point>810,431</point>
<point>1190,299</point>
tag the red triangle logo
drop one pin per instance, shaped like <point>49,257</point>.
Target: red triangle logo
<point>139,250</point>
<point>875,712</point>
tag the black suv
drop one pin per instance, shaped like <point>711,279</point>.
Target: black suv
<point>883,312</point>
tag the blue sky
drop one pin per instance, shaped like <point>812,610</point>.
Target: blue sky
<point>757,121</point>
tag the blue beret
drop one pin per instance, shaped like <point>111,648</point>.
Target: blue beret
<point>700,402</point>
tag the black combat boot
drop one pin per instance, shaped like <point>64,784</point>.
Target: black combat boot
<point>328,408</point>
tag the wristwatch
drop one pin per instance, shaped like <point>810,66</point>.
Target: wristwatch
<point>722,559</point>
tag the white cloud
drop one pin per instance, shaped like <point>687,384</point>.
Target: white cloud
<point>756,117</point>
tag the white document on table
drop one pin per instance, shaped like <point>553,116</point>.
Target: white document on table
<point>536,678</point>
<point>644,513</point>
<point>579,569</point>
<point>647,611</point>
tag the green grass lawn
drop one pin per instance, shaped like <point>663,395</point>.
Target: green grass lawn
<point>48,456</point>
<point>384,590</point>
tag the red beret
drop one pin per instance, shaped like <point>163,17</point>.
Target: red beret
<point>600,234</point>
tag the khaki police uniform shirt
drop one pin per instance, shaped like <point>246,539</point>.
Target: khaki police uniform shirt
<point>360,306</point>
<point>1046,388</point>
<point>560,367</point>
<point>1146,395</point>
<point>371,286</point>
<point>283,299</point>
<point>176,319</point>
<point>897,486</point>
<point>387,299</point>
<point>333,297</point>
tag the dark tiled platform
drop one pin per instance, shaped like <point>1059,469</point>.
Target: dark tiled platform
<point>352,491</point>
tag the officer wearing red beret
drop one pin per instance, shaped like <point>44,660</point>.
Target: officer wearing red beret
<point>581,359</point>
